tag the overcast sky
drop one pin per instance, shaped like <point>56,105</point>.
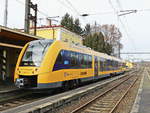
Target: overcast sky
<point>134,27</point>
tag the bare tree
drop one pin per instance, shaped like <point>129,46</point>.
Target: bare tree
<point>112,36</point>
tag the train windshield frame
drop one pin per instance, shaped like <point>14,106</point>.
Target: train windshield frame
<point>35,52</point>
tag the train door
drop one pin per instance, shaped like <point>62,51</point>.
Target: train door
<point>95,66</point>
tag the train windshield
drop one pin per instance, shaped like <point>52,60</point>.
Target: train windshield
<point>35,52</point>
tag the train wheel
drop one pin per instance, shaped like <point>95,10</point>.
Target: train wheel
<point>66,86</point>
<point>72,84</point>
<point>76,83</point>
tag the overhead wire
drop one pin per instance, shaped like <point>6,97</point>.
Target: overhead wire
<point>39,11</point>
<point>143,10</point>
<point>140,10</point>
<point>121,11</point>
<point>119,4</point>
<point>42,13</point>
<point>71,6</point>
<point>61,2</point>
<point>77,12</point>
<point>100,13</point>
<point>124,27</point>
<point>121,8</point>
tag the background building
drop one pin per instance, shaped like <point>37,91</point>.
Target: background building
<point>58,33</point>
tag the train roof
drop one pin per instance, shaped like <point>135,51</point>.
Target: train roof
<point>84,49</point>
<point>104,55</point>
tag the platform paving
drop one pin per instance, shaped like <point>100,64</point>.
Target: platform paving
<point>142,103</point>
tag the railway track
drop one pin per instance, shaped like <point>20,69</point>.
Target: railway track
<point>12,94</point>
<point>33,98</point>
<point>24,99</point>
<point>107,99</point>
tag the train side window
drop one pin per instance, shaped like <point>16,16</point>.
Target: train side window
<point>89,61</point>
<point>59,59</point>
<point>111,65</point>
<point>84,61</point>
<point>75,58</point>
<point>80,60</point>
<point>72,59</point>
<point>101,64</point>
<point>117,64</point>
<point>66,59</point>
<point>77,61</point>
<point>114,64</point>
<point>107,64</point>
<point>104,65</point>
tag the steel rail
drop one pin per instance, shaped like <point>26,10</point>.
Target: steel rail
<point>113,109</point>
<point>102,94</point>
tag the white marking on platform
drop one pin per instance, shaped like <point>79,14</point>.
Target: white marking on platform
<point>135,107</point>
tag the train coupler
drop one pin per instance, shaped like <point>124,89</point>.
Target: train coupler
<point>21,82</point>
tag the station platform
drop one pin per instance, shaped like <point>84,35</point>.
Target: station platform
<point>142,102</point>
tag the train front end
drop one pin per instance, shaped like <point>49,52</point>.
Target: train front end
<point>29,63</point>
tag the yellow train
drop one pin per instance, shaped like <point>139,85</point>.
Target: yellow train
<point>47,64</point>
